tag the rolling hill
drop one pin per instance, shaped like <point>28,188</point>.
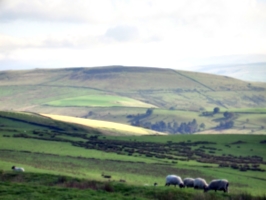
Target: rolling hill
<point>124,94</point>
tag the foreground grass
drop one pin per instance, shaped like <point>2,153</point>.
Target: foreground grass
<point>46,186</point>
<point>61,158</point>
<point>140,160</point>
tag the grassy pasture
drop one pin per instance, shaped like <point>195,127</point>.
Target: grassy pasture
<point>56,157</point>
<point>29,96</point>
<point>247,110</point>
<point>250,142</point>
<point>64,149</point>
<point>24,121</point>
<point>99,101</point>
<point>111,126</point>
<point>62,158</point>
<point>47,186</point>
<point>59,158</point>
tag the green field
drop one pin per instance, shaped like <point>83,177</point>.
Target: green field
<point>65,158</point>
<point>99,101</point>
<point>61,159</point>
<point>111,127</point>
<point>85,155</point>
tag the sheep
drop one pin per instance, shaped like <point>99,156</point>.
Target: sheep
<point>218,184</point>
<point>189,182</point>
<point>174,180</point>
<point>18,169</point>
<point>200,183</point>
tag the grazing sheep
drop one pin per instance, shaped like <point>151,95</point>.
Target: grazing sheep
<point>18,169</point>
<point>219,184</point>
<point>189,182</point>
<point>174,180</point>
<point>200,183</point>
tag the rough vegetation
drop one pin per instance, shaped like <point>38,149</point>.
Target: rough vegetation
<point>47,186</point>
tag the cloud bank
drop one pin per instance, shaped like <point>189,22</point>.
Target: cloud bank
<point>173,34</point>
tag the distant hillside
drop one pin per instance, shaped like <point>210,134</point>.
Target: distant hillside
<point>116,93</point>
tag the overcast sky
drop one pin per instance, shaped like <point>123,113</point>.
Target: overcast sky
<point>156,33</point>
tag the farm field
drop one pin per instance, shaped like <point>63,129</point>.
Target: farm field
<point>115,128</point>
<point>99,101</point>
<point>137,171</point>
<point>47,186</point>
<point>68,127</point>
<point>140,160</point>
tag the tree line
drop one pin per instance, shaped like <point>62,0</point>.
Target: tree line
<point>162,126</point>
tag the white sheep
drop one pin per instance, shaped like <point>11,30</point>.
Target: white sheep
<point>18,169</point>
<point>219,184</point>
<point>174,180</point>
<point>189,182</point>
<point>200,183</point>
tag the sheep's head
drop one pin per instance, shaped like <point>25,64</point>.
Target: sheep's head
<point>181,185</point>
<point>13,167</point>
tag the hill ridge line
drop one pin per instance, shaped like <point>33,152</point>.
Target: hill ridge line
<point>193,80</point>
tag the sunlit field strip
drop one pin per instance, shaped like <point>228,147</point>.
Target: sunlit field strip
<point>121,128</point>
<point>100,101</point>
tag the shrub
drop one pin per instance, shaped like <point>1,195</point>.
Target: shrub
<point>108,187</point>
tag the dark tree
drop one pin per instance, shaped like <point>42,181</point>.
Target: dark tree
<point>229,124</point>
<point>202,125</point>
<point>226,125</point>
<point>228,115</point>
<point>149,112</point>
<point>216,110</point>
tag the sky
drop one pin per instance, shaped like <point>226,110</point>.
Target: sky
<point>178,34</point>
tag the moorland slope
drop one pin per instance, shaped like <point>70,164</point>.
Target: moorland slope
<point>124,94</point>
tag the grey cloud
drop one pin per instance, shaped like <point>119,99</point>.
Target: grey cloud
<point>122,33</point>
